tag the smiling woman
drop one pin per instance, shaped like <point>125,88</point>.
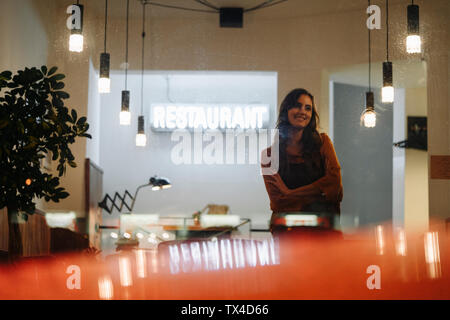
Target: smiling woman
<point>308,178</point>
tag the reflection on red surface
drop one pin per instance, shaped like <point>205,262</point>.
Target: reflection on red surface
<point>303,265</point>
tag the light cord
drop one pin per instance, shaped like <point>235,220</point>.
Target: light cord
<point>387,30</point>
<point>143,54</point>
<point>126,50</point>
<point>106,22</point>
<point>370,58</point>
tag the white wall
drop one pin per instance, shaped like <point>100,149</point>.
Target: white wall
<point>93,117</point>
<point>398,161</point>
<point>416,168</point>
<point>126,166</point>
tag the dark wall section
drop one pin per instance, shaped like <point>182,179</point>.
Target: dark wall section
<point>365,155</point>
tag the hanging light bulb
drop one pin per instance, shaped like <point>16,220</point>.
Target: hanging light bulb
<point>141,138</point>
<point>76,39</point>
<point>104,82</point>
<point>369,117</point>
<point>125,115</point>
<point>387,92</point>
<point>413,41</point>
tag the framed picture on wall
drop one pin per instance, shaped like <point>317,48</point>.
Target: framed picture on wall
<point>417,133</point>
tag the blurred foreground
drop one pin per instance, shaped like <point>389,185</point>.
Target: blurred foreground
<point>379,264</point>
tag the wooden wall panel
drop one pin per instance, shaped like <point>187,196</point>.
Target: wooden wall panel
<point>35,234</point>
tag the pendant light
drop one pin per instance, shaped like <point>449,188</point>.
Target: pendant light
<point>387,92</point>
<point>413,41</point>
<point>369,116</point>
<point>141,138</point>
<point>125,115</point>
<point>76,39</point>
<point>104,82</point>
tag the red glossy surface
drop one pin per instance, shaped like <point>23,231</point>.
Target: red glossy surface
<point>307,266</point>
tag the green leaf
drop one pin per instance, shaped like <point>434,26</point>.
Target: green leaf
<point>44,70</point>
<point>52,71</point>
<point>6,75</point>
<point>73,164</point>
<point>81,121</point>
<point>74,115</point>
<point>58,77</point>
<point>63,95</point>
<point>63,195</point>
<point>58,86</point>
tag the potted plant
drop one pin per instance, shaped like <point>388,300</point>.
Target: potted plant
<point>34,124</point>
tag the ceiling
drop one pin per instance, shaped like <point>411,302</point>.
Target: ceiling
<point>285,9</point>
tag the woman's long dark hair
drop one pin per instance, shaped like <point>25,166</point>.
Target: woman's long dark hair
<point>311,142</point>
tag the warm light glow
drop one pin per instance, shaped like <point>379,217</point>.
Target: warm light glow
<point>141,140</point>
<point>154,260</point>
<point>369,118</point>
<point>226,253</point>
<point>139,235</point>
<point>238,250</point>
<point>125,272</point>
<point>76,43</point>
<point>222,254</point>
<point>127,235</point>
<point>165,235</point>
<point>263,252</point>
<point>141,264</point>
<point>387,94</point>
<point>301,220</point>
<point>166,186</point>
<point>105,288</point>
<point>219,220</point>
<point>125,118</point>
<point>104,85</point>
<point>400,243</point>
<point>175,259</point>
<point>413,44</point>
<point>113,235</point>
<point>380,239</point>
<point>432,255</point>
<point>156,188</point>
<point>196,256</point>
<point>61,220</point>
<point>28,182</point>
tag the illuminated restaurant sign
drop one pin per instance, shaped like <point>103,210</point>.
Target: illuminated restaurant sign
<point>168,117</point>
